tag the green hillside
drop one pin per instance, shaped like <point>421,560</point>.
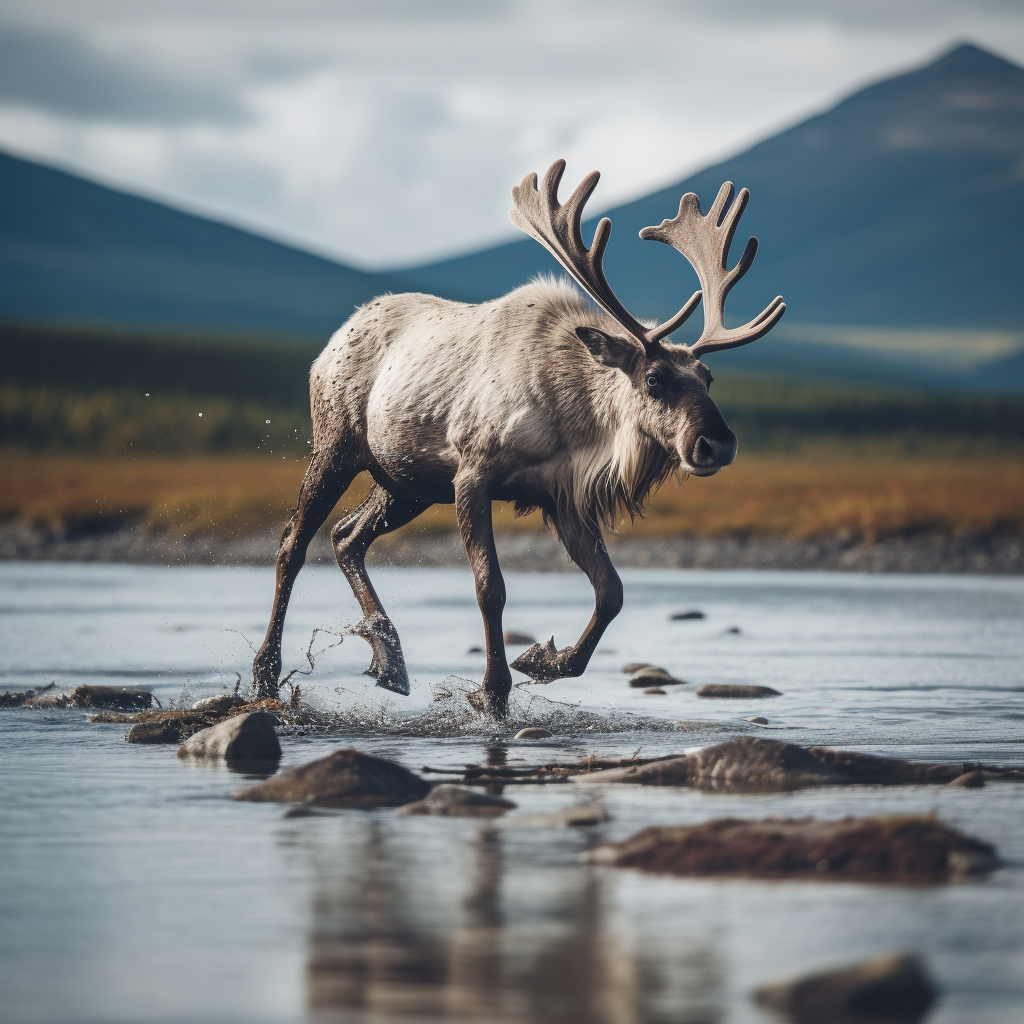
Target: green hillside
<point>137,392</point>
<point>72,251</point>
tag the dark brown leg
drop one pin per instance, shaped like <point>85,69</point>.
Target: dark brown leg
<point>322,486</point>
<point>380,513</point>
<point>473,510</point>
<point>587,549</point>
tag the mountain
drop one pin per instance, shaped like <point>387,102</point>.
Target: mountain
<point>901,207</point>
<point>72,251</point>
<point>891,223</point>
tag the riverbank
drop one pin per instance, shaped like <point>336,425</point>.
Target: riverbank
<point>532,551</point>
<point>825,511</point>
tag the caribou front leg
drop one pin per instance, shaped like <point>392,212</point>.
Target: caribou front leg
<point>587,549</point>
<point>473,511</point>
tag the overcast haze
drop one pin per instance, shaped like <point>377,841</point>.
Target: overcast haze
<point>390,132</point>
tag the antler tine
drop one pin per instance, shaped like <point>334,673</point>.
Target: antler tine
<point>705,241</point>
<point>558,229</point>
<point>674,323</point>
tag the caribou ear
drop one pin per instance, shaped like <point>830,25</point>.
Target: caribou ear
<point>620,353</point>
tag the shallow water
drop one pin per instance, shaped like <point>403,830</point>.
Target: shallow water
<point>133,889</point>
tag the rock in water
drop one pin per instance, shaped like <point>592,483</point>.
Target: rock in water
<point>346,778</point>
<point>654,676</point>
<point>890,988</point>
<point>248,737</point>
<point>154,732</point>
<point>690,616</point>
<point>749,764</point>
<point>579,816</point>
<point>220,702</point>
<point>533,732</point>
<point>655,691</point>
<point>59,699</point>
<point>517,638</point>
<point>115,698</point>
<point>890,848</point>
<point>634,666</point>
<point>11,699</point>
<point>458,801</point>
<point>758,720</point>
<point>969,780</point>
<point>735,690</point>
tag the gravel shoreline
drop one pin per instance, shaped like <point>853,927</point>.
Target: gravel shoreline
<point>537,552</point>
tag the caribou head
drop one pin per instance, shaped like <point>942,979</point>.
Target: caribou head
<point>671,383</point>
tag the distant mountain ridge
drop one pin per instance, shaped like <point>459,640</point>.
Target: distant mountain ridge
<point>902,206</point>
<point>72,251</point>
<point>898,210</point>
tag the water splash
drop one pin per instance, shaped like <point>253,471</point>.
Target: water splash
<point>451,715</point>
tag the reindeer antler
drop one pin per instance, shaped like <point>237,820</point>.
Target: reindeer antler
<point>705,242</point>
<point>557,228</point>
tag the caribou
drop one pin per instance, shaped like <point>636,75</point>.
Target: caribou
<point>539,398</point>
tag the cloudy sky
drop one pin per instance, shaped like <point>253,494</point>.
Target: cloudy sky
<point>387,132</point>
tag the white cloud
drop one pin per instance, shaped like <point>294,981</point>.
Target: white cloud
<point>391,132</point>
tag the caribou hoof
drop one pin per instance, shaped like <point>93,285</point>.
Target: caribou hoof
<point>265,679</point>
<point>543,663</point>
<point>487,702</point>
<point>388,664</point>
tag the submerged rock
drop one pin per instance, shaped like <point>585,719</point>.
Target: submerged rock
<point>654,676</point>
<point>655,691</point>
<point>346,778</point>
<point>569,817</point>
<point>635,666</point>
<point>459,801</point>
<point>183,722</point>
<point>884,848</point>
<point>749,764</point>
<point>167,731</point>
<point>689,616</point>
<point>532,732</point>
<point>969,780</point>
<point>735,690</point>
<point>248,737</point>
<point>893,988</point>
<point>304,811</point>
<point>758,720</point>
<point>518,638</point>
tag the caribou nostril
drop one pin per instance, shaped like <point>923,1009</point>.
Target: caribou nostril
<point>713,452</point>
<point>704,452</point>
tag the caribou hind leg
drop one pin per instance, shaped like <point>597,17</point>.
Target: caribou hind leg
<point>380,513</point>
<point>473,510</point>
<point>324,483</point>
<point>587,549</point>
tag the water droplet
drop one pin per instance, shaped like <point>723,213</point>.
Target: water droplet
<point>200,414</point>
<point>268,421</point>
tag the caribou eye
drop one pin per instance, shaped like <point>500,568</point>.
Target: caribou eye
<point>653,382</point>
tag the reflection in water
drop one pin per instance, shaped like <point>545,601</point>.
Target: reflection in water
<point>396,934</point>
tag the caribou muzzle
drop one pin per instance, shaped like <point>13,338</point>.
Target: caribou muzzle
<point>710,454</point>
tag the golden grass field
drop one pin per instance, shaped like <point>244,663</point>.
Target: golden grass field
<point>861,497</point>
